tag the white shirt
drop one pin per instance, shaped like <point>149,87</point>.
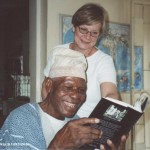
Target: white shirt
<point>50,126</point>
<point>100,69</point>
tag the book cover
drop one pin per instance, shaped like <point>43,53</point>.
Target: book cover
<point>116,118</point>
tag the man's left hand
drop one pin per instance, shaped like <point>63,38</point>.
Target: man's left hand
<point>121,146</point>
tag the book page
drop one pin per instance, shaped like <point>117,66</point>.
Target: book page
<point>141,102</point>
<point>122,103</point>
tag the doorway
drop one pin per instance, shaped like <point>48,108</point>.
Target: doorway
<point>14,44</point>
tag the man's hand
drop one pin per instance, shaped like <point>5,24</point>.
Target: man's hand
<point>113,147</point>
<point>76,134</point>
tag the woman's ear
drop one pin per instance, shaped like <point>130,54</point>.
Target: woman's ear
<point>73,28</point>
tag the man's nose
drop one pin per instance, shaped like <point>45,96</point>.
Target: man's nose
<point>75,93</point>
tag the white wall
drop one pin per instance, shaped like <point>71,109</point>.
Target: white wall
<point>37,40</point>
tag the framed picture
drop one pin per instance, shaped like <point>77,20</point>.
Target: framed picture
<point>66,33</point>
<point>115,42</point>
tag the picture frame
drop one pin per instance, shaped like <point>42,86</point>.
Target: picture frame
<point>65,25</point>
<point>116,43</point>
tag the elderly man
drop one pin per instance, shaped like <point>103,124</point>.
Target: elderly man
<point>52,124</point>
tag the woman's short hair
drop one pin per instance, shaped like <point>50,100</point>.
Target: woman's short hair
<point>89,14</point>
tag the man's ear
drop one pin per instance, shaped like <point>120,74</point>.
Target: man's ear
<point>48,84</point>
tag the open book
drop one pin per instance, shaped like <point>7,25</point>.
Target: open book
<point>116,118</point>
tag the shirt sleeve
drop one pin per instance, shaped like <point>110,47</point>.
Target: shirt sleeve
<point>107,71</point>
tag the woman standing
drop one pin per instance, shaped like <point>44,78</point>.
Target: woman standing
<point>89,23</point>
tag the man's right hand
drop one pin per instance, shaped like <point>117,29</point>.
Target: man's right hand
<point>75,134</point>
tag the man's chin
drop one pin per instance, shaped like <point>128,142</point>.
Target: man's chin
<point>70,115</point>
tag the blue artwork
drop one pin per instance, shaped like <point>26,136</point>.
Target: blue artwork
<point>138,68</point>
<point>69,36</point>
<point>115,43</point>
<point>67,33</point>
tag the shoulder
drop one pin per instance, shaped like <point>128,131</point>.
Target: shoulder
<point>23,119</point>
<point>51,51</point>
<point>23,114</point>
<point>103,55</point>
<point>23,125</point>
<point>100,57</point>
<point>26,109</point>
<point>63,45</point>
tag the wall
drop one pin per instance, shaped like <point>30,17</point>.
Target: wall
<point>37,38</point>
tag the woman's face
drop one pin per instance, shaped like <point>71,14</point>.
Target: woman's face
<point>85,36</point>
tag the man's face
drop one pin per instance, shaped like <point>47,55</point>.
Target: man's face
<point>67,95</point>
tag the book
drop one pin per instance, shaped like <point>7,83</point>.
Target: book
<point>116,119</point>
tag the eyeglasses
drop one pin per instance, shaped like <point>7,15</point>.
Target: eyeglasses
<point>85,31</point>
